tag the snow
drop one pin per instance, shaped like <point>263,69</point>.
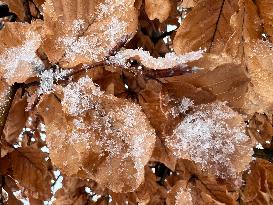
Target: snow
<point>169,61</point>
<point>182,107</point>
<point>208,137</point>
<point>49,77</point>
<point>21,62</point>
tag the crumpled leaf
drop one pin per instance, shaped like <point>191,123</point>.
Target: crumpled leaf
<point>188,3</point>
<point>16,120</point>
<point>256,55</point>
<point>202,187</point>
<point>259,184</point>
<point>18,58</point>
<point>103,138</point>
<point>72,192</point>
<point>227,82</point>
<point>260,128</point>
<point>16,6</point>
<point>206,26</point>
<point>265,10</point>
<point>213,136</point>
<point>30,170</point>
<point>158,9</point>
<point>259,61</point>
<point>86,32</point>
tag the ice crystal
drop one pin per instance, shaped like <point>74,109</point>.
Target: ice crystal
<point>182,107</point>
<point>213,137</point>
<point>21,62</point>
<point>76,100</point>
<point>170,60</point>
<point>48,77</point>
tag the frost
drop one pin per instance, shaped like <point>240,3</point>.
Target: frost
<point>114,132</point>
<point>21,62</point>
<point>213,137</point>
<point>183,196</point>
<point>169,61</point>
<point>48,77</point>
<point>182,107</point>
<point>76,100</point>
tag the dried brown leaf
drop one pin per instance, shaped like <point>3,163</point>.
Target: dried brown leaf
<point>206,26</point>
<point>85,32</point>
<point>259,184</point>
<point>158,9</point>
<point>260,128</point>
<point>213,136</point>
<point>31,171</point>
<point>16,120</point>
<point>265,10</point>
<point>201,187</point>
<point>103,138</point>
<point>18,59</point>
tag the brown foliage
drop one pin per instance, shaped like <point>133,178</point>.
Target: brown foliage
<point>136,102</point>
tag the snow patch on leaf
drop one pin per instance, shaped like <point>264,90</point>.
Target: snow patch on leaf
<point>122,58</point>
<point>214,137</point>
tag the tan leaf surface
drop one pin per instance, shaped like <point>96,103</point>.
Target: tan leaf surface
<point>260,128</point>
<point>84,31</point>
<point>213,136</point>
<point>72,192</point>
<point>256,55</point>
<point>18,59</point>
<point>103,138</point>
<point>259,61</point>
<point>227,82</point>
<point>188,3</point>
<point>206,26</point>
<point>30,170</point>
<point>202,187</point>
<point>16,6</point>
<point>16,120</point>
<point>265,10</point>
<point>158,9</point>
<point>259,184</point>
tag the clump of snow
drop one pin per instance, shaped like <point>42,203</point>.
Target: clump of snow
<point>78,96</point>
<point>48,77</point>
<point>85,43</point>
<point>113,129</point>
<point>214,137</point>
<point>21,62</point>
<point>122,58</point>
<point>182,107</point>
